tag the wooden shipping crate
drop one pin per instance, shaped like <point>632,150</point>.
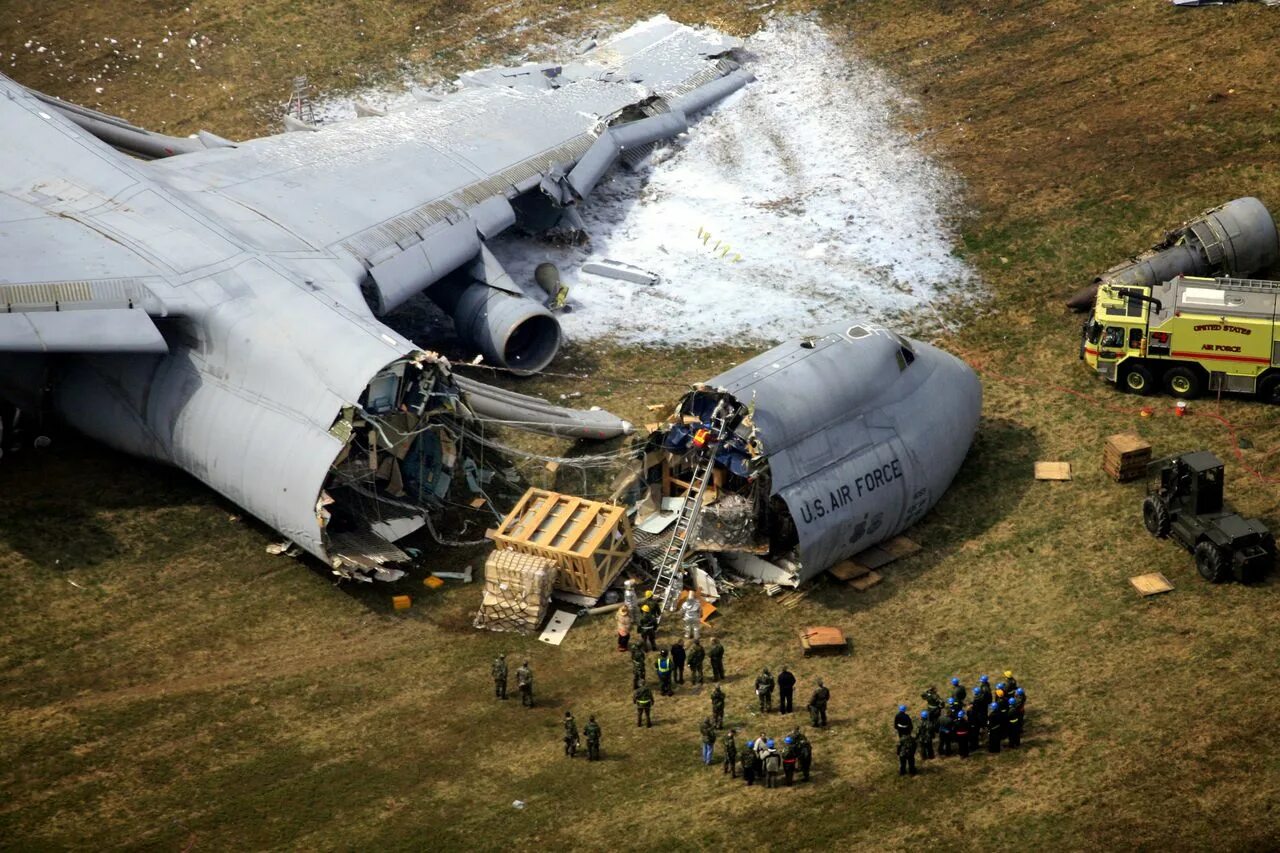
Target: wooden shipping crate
<point>1125,457</point>
<point>589,542</point>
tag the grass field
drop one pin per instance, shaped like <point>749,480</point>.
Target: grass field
<point>168,685</point>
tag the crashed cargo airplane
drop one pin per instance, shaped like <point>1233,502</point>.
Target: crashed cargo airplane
<point>218,309</point>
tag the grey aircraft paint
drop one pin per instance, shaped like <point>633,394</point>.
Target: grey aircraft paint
<point>213,309</point>
<point>863,431</point>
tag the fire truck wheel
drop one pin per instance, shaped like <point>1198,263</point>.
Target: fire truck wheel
<point>1138,380</point>
<point>1183,382</point>
<point>1211,562</point>
<point>1269,389</point>
<point>1155,515</point>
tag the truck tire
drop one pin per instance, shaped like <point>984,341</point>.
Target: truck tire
<point>1211,562</point>
<point>1138,380</point>
<point>1155,515</point>
<point>1269,389</point>
<point>1184,382</point>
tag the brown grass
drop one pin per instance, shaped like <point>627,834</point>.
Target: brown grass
<point>194,693</point>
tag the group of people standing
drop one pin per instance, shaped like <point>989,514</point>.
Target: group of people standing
<point>962,721</point>
<point>786,684</point>
<point>768,761</point>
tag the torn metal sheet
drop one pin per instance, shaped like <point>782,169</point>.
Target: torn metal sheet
<point>558,627</point>
<point>623,272</point>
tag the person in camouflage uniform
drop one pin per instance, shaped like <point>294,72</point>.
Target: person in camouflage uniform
<point>731,754</point>
<point>805,752</point>
<point>790,756</point>
<point>708,733</point>
<point>946,740</point>
<point>749,759</point>
<point>928,726</point>
<point>524,681</point>
<point>717,660</point>
<point>570,735</point>
<point>637,672</point>
<point>717,707</point>
<point>697,655</point>
<point>959,693</point>
<point>764,690</point>
<point>499,671</point>
<point>907,754</point>
<point>933,700</point>
<point>591,731</point>
<point>643,699</point>
<point>818,705</point>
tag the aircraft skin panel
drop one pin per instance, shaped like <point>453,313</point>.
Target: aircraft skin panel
<point>860,444</point>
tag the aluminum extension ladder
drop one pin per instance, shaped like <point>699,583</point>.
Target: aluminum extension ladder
<point>668,583</point>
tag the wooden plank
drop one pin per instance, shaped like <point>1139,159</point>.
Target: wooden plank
<point>867,581</point>
<point>1053,470</point>
<point>1151,584</point>
<point>546,535</point>
<point>1127,442</point>
<point>847,570</point>
<point>899,547</point>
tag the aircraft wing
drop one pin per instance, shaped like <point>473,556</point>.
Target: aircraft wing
<point>90,251</point>
<point>412,194</point>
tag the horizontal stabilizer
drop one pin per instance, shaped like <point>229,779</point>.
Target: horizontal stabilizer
<point>92,330</point>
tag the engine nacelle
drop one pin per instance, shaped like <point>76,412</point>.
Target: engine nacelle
<point>511,331</point>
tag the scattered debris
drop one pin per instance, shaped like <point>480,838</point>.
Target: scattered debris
<point>1125,457</point>
<point>464,575</point>
<point>73,583</point>
<point>761,571</point>
<point>547,277</point>
<point>878,556</point>
<point>823,640</point>
<point>1151,584</point>
<point>279,547</point>
<point>432,582</point>
<point>517,591</point>
<point>558,627</point>
<point>401,602</point>
<point>1053,470</point>
<point>517,804</point>
<point>624,272</point>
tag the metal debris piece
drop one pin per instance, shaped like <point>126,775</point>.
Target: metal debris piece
<point>623,272</point>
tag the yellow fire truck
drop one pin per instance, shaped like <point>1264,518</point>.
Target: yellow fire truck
<point>1189,335</point>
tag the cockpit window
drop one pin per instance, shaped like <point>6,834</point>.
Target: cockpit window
<point>856,332</point>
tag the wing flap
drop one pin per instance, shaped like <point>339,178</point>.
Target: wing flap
<point>91,330</point>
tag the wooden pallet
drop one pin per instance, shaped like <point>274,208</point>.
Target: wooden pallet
<point>1125,457</point>
<point>1151,584</point>
<point>1053,470</point>
<point>823,640</point>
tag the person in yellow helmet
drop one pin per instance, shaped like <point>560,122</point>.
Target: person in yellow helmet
<point>649,626</point>
<point>1010,683</point>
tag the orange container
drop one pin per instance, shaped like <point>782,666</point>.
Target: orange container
<point>401,602</point>
<point>432,582</point>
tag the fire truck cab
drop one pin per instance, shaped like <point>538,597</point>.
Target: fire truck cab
<point>1188,335</point>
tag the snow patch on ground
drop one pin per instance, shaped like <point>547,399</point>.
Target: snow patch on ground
<point>826,209</point>
<point>815,207</point>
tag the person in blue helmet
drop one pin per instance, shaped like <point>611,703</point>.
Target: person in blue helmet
<point>958,692</point>
<point>924,736</point>
<point>978,719</point>
<point>772,765</point>
<point>984,690</point>
<point>995,727</point>
<point>902,722</point>
<point>1022,698</point>
<point>1014,719</point>
<point>790,757</point>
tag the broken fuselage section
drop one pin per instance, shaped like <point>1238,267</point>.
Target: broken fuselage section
<point>405,457</point>
<point>836,441</point>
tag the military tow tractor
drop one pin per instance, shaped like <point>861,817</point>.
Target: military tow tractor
<point>1184,501</point>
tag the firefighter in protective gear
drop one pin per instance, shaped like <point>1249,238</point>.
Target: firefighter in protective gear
<point>1013,722</point>
<point>691,615</point>
<point>649,627</point>
<point>963,729</point>
<point>983,691</point>
<point>1010,683</point>
<point>958,692</point>
<point>995,726</point>
<point>790,757</point>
